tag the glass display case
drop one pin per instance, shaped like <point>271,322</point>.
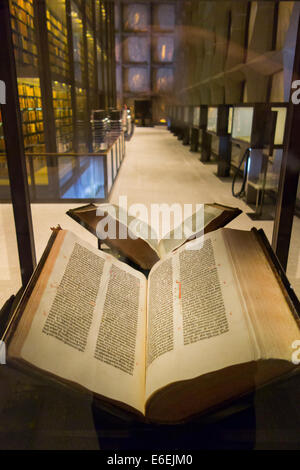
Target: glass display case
<point>186,115</point>
<point>242,123</point>
<point>230,120</point>
<point>212,119</point>
<point>196,116</point>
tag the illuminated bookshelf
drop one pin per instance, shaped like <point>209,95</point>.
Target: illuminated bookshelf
<point>32,114</point>
<point>58,41</point>
<point>90,50</point>
<point>22,21</point>
<point>78,49</point>
<point>63,116</point>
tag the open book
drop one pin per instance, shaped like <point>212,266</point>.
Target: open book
<point>209,325</point>
<point>140,243</point>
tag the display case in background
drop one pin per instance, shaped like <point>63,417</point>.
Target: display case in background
<point>242,121</point>
<point>260,128</point>
<point>212,119</point>
<point>196,116</point>
<point>216,141</point>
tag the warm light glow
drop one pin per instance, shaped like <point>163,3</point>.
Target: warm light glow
<point>136,18</point>
<point>163,121</point>
<point>163,52</point>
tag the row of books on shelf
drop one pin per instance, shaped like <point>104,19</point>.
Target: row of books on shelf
<point>58,38</point>
<point>33,139</point>
<point>64,129</point>
<point>23,33</point>
<point>62,91</point>
<point>26,90</point>
<point>63,113</point>
<point>33,127</point>
<point>58,69</point>
<point>23,37</point>
<point>61,98</point>
<point>58,56</point>
<point>31,115</point>
<point>30,103</point>
<point>58,45</point>
<point>23,11</point>
<point>23,5</point>
<point>29,142</point>
<point>25,58</point>
<point>55,26</point>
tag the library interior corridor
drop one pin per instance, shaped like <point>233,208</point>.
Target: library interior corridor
<point>157,169</point>
<point>149,225</point>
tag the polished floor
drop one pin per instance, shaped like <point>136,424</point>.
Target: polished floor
<point>157,169</point>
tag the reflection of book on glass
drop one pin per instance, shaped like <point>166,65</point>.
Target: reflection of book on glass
<point>146,250</point>
<point>208,326</point>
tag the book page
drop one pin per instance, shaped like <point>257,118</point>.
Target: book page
<point>171,241</point>
<point>138,228</point>
<point>275,327</point>
<point>196,319</point>
<point>89,322</point>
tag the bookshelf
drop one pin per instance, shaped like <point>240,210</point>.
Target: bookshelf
<point>78,49</point>
<point>22,21</point>
<point>62,50</point>
<point>90,58</point>
<point>63,116</point>
<point>32,114</point>
<point>58,40</point>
